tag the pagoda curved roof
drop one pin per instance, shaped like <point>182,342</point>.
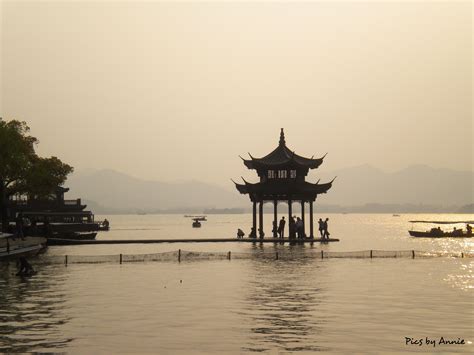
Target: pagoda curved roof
<point>281,156</point>
<point>284,188</point>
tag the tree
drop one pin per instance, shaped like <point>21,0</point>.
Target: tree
<point>22,170</point>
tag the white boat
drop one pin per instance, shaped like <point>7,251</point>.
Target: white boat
<point>11,247</point>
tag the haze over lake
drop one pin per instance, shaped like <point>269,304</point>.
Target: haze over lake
<point>147,109</point>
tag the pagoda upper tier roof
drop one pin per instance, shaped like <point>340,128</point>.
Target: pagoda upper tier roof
<point>282,156</point>
<point>284,188</point>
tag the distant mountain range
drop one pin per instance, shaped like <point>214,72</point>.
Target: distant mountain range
<point>417,184</point>
<point>364,188</point>
<point>116,191</point>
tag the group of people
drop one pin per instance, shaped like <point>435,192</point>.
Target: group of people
<point>25,227</point>
<point>296,228</point>
<point>438,232</point>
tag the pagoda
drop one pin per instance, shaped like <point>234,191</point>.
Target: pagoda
<point>282,176</point>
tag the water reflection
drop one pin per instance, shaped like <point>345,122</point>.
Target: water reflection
<point>32,309</point>
<point>282,302</point>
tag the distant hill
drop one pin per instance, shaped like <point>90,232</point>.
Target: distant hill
<point>418,184</point>
<point>439,189</point>
<point>111,189</point>
<point>466,209</point>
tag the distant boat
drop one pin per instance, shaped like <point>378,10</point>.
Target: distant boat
<point>197,218</point>
<point>396,215</point>
<point>197,221</point>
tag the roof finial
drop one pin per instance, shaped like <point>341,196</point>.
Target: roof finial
<point>282,137</point>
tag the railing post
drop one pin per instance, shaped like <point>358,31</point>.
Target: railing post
<point>65,260</point>
<point>462,255</point>
<point>120,259</point>
<point>322,254</point>
<point>413,254</point>
<point>8,246</point>
<point>179,255</point>
<point>228,255</point>
<point>276,256</point>
<point>371,253</point>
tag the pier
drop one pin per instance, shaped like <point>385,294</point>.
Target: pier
<point>56,241</point>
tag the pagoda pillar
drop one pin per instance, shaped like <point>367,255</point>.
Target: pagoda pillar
<point>290,212</point>
<point>275,219</point>
<point>302,215</point>
<point>260,220</point>
<point>311,230</point>
<point>253,233</point>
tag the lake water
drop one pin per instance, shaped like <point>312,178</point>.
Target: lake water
<point>255,304</point>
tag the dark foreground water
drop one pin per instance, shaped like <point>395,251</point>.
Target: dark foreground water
<point>248,305</point>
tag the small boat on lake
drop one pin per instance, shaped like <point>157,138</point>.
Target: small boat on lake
<point>197,221</point>
<point>439,233</point>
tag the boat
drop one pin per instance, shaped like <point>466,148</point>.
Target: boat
<point>197,220</point>
<point>60,240</point>
<point>74,236</point>
<point>439,233</point>
<point>395,215</point>
<point>68,238</point>
<point>11,247</point>
<point>56,211</point>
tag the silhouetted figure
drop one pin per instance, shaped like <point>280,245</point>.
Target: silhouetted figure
<point>47,228</point>
<point>106,223</point>
<point>300,228</point>
<point>325,227</point>
<point>469,229</point>
<point>292,228</point>
<point>252,233</point>
<point>19,226</point>
<point>240,233</point>
<point>24,268</point>
<point>321,228</point>
<point>281,228</point>
<point>33,230</point>
<point>275,228</point>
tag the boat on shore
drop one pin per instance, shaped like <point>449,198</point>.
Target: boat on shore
<point>12,247</point>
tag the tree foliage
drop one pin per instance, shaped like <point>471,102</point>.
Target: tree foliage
<point>22,171</point>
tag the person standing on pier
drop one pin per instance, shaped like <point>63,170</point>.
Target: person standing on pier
<point>299,228</point>
<point>325,229</point>
<point>281,228</point>
<point>292,228</point>
<point>321,228</point>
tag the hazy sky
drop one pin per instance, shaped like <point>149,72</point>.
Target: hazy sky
<point>170,90</point>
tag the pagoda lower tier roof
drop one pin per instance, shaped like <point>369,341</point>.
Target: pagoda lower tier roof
<point>296,190</point>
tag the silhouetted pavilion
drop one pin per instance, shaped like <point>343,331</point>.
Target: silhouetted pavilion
<point>282,178</point>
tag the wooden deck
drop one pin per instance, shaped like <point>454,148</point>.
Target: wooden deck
<point>54,241</point>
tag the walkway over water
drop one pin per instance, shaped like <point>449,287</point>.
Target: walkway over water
<point>54,241</point>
